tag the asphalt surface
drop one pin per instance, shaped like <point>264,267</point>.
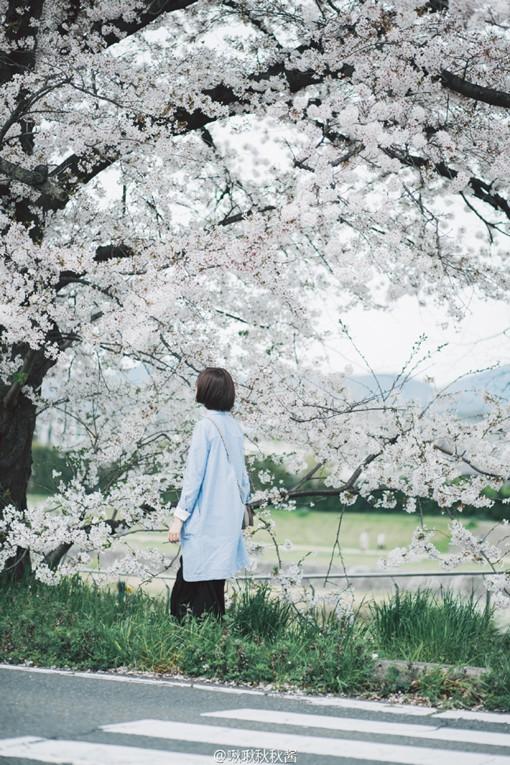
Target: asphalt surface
<point>83,718</point>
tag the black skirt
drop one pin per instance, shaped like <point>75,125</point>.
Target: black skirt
<point>207,596</point>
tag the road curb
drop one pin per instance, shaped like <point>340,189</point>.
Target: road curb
<point>413,669</point>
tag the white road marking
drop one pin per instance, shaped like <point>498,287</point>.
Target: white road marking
<point>369,706</point>
<point>465,714</point>
<point>86,753</point>
<point>97,675</point>
<point>336,747</point>
<point>354,725</point>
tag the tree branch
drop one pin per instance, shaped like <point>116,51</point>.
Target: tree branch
<point>19,22</point>
<point>153,10</point>
<point>36,178</point>
<point>473,91</point>
<point>481,189</point>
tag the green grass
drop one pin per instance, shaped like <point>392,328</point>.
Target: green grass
<point>312,533</point>
<point>83,627</point>
<point>424,626</point>
<point>261,640</point>
<point>316,528</point>
<point>444,628</point>
<point>496,683</point>
<point>259,613</point>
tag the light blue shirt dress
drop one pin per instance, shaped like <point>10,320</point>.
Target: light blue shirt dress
<point>211,505</point>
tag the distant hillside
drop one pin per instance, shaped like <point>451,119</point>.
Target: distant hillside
<point>469,391</point>
<point>413,390</point>
<point>466,396</point>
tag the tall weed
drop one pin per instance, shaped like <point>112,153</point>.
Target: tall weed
<point>255,612</point>
<point>423,626</point>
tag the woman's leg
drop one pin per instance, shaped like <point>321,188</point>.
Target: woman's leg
<point>200,597</point>
<point>181,595</point>
<point>209,597</point>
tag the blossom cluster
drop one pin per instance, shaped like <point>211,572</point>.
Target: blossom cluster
<point>192,187</point>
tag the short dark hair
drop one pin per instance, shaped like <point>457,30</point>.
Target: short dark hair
<point>215,389</point>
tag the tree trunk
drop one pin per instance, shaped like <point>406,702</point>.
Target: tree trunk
<point>17,424</point>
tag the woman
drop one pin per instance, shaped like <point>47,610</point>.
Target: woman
<point>209,515</point>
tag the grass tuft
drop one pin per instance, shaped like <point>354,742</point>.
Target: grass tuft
<point>255,612</point>
<point>423,626</point>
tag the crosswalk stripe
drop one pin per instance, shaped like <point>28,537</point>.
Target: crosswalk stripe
<point>464,714</point>
<point>369,706</point>
<point>337,747</point>
<point>86,753</point>
<point>354,725</point>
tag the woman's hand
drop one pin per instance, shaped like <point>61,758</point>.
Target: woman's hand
<point>174,530</point>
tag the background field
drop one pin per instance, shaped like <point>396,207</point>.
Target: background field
<point>314,532</point>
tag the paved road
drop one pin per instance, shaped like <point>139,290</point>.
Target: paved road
<point>81,718</point>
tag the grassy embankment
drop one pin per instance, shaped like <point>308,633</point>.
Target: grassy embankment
<point>263,640</point>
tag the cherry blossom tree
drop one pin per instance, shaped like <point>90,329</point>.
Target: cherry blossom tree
<point>180,182</point>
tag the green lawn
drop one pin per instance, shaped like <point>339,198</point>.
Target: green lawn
<point>312,534</point>
<point>315,528</point>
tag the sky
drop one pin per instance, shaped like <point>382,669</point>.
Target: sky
<point>481,339</point>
